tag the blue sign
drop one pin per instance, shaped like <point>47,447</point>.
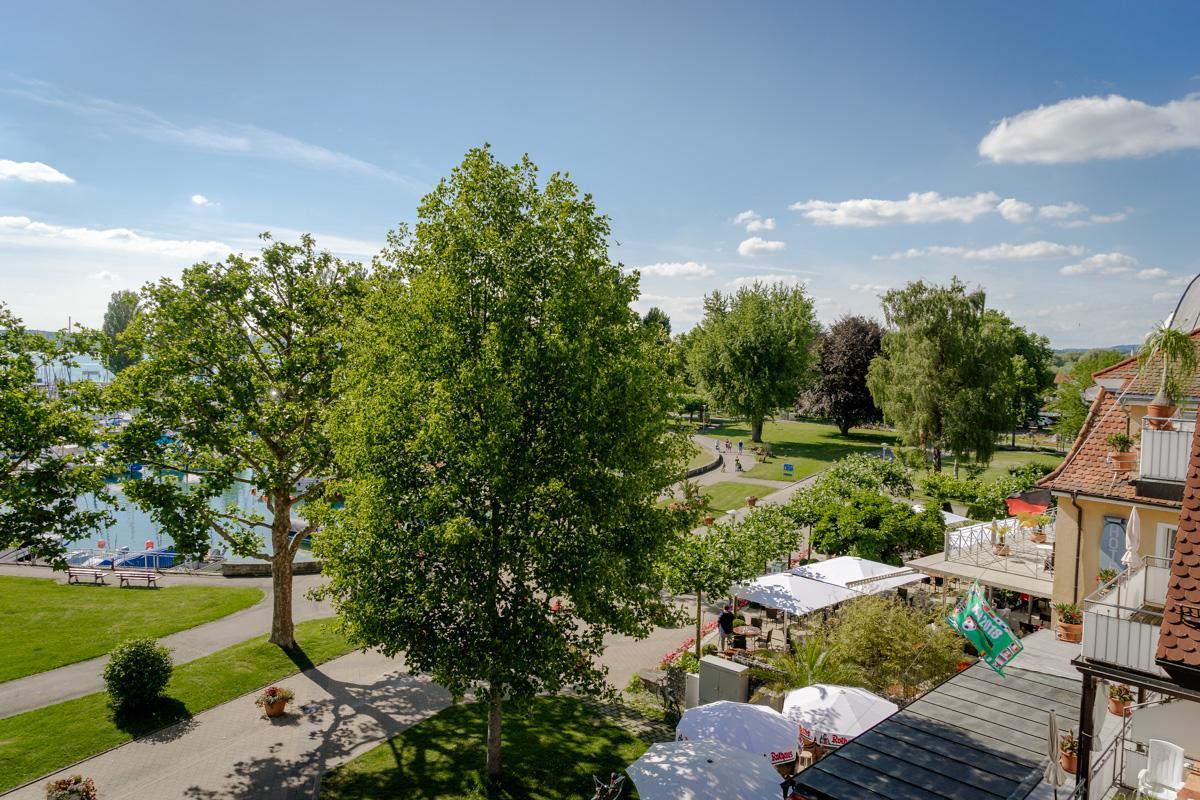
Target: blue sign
<point>789,470</point>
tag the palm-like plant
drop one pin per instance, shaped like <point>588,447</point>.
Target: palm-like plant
<point>812,663</point>
<point>1178,355</point>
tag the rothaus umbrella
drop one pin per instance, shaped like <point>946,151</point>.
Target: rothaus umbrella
<point>702,771</point>
<point>759,730</point>
<point>833,715</point>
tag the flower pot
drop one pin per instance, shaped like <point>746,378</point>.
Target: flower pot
<point>1123,462</point>
<point>1069,763</point>
<point>962,665</point>
<point>1000,549</point>
<point>709,519</point>
<point>276,709</point>
<point>1118,708</point>
<point>752,501</point>
<point>1160,415</point>
<point>1038,537</point>
<point>1070,633</point>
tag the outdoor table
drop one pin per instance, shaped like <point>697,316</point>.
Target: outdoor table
<point>747,630</point>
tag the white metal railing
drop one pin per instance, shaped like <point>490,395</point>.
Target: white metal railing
<point>1121,619</point>
<point>1005,546</point>
<point>1166,447</point>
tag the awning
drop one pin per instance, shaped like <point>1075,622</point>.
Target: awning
<point>793,593</point>
<point>938,564</point>
<point>860,574</point>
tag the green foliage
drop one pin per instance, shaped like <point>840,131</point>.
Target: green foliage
<point>871,526</point>
<point>1068,397</point>
<point>1069,613</point>
<point>752,352</point>
<point>689,662</point>
<point>40,480</point>
<point>117,351</point>
<point>1120,442</point>
<point>840,391</point>
<point>238,365</point>
<point>708,649</point>
<point>812,662</point>
<point>506,447</point>
<point>1176,352</point>
<point>137,672</point>
<point>953,375</point>
<point>657,318</point>
<point>984,498</point>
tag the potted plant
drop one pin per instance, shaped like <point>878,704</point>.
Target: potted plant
<point>1068,752</point>
<point>1178,356</point>
<point>752,501</point>
<point>75,787</point>
<point>1039,533</point>
<point>1120,452</point>
<point>999,546</point>
<point>1105,575</point>
<point>274,700</point>
<point>1119,699</point>
<point>1070,622</point>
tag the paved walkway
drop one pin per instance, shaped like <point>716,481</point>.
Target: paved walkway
<point>84,677</point>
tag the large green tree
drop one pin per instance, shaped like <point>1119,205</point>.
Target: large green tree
<point>45,430</point>
<point>1030,375</point>
<point>117,352</point>
<point>840,390</point>
<point>1068,398</point>
<point>754,350</point>
<point>506,423</point>
<point>237,367</point>
<point>944,376</point>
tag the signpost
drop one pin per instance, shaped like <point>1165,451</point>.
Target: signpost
<point>789,471</point>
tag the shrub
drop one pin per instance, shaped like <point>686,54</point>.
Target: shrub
<point>689,662</point>
<point>137,672</point>
<point>708,649</point>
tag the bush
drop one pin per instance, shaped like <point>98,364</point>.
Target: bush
<point>708,649</point>
<point>137,672</point>
<point>689,662</point>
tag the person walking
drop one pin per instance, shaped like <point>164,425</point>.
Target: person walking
<point>725,623</point>
<point>739,447</point>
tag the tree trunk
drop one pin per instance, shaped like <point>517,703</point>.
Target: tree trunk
<point>937,458</point>
<point>844,426</point>
<point>283,632</point>
<point>699,616</point>
<point>493,735</point>
<point>756,426</point>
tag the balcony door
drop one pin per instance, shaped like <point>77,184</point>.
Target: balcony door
<point>1112,543</point>
<point>1165,546</point>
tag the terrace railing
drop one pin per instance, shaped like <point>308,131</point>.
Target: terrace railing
<point>1121,619</point>
<point>1005,546</point>
<point>1165,448</point>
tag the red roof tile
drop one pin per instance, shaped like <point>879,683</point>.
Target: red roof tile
<point>1145,381</point>
<point>1179,636</point>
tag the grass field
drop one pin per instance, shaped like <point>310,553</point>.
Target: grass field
<point>47,739</point>
<point>45,624</point>
<point>700,457</point>
<point>551,750</point>
<point>1003,459</point>
<point>810,446</point>
<point>728,495</point>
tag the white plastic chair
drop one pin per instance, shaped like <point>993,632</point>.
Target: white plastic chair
<point>1163,776</point>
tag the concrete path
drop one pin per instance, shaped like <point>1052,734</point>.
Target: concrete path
<point>84,677</point>
<point>342,709</point>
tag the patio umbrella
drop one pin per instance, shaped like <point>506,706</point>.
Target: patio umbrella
<point>1054,770</point>
<point>860,574</point>
<point>702,771</point>
<point>759,730</point>
<point>795,594</point>
<point>833,715</point>
<point>1133,540</point>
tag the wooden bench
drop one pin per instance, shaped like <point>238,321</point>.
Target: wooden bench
<point>75,574</point>
<point>126,578</point>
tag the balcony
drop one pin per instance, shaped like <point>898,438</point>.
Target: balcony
<point>1121,619</point>
<point>1166,446</point>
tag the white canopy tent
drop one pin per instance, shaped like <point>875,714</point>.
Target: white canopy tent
<point>702,771</point>
<point>821,584</point>
<point>860,574</point>
<point>759,730</point>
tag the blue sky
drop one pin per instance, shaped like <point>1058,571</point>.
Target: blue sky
<point>1048,152</point>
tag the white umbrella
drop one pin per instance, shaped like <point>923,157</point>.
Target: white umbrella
<point>859,574</point>
<point>702,771</point>
<point>1133,540</point>
<point>794,594</point>
<point>759,730</point>
<point>1054,771</point>
<point>833,715</point>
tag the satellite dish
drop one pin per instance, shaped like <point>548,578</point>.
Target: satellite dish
<point>1186,316</point>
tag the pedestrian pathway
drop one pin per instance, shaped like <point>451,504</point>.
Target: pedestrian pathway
<point>84,677</point>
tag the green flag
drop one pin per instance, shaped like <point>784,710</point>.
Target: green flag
<point>974,619</point>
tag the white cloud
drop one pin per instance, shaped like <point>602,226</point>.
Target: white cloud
<point>201,200</point>
<point>1152,273</point>
<point>1028,251</point>
<point>677,269</point>
<point>870,288</point>
<point>1102,264</point>
<point>756,246</point>
<point>918,207</point>
<point>1160,296</point>
<point>215,136</point>
<point>767,224</point>
<point>105,275</point>
<point>31,172</point>
<point>1014,210</point>
<point>768,279</point>
<point>1181,280</point>
<point>1095,219</point>
<point>1061,210</point>
<point>1087,128</point>
<point>684,311</point>
<point>749,215</point>
<point>25,231</point>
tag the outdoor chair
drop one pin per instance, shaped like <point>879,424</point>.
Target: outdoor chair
<point>757,622</point>
<point>764,641</point>
<point>1163,776</point>
<point>739,642</point>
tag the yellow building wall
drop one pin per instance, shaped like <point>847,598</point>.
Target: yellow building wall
<point>1066,536</point>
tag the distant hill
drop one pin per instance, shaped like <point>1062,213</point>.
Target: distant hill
<point>1123,348</point>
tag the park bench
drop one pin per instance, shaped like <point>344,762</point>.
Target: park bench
<point>76,574</point>
<point>127,578</point>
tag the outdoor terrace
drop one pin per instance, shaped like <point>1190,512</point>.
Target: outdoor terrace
<point>1001,553</point>
<point>1121,619</point>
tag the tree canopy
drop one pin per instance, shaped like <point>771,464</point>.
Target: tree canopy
<point>505,424</point>
<point>1068,397</point>
<point>117,352</point>
<point>237,368</point>
<point>945,376</point>
<point>840,391</point>
<point>45,431</point>
<point>753,351</point>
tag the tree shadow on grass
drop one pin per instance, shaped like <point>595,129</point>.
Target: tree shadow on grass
<point>162,721</point>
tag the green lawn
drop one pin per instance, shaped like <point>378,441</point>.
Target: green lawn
<point>1003,459</point>
<point>551,750</point>
<point>810,446</point>
<point>700,457</point>
<point>45,624</point>
<point>728,495</point>
<point>47,739</point>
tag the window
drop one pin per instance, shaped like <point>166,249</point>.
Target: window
<point>1112,543</point>
<point>1164,546</point>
